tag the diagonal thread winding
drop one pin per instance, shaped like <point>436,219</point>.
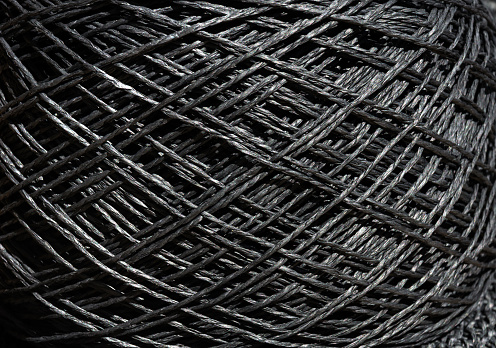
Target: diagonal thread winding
<point>245,173</point>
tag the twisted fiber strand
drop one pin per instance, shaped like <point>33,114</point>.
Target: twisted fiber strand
<point>477,330</point>
<point>246,173</point>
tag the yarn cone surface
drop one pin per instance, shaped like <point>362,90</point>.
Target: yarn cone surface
<point>245,173</point>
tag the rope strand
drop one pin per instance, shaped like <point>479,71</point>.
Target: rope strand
<point>245,173</point>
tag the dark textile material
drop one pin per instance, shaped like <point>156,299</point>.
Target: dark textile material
<point>242,173</point>
<point>478,330</point>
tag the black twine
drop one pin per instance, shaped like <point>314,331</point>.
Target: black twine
<point>245,173</point>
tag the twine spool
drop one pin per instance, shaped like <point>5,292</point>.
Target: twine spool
<point>245,173</point>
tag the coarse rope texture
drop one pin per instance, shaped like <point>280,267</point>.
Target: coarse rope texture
<point>245,173</point>
<point>478,330</point>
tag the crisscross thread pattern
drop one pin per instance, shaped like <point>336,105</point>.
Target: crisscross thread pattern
<point>245,173</point>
